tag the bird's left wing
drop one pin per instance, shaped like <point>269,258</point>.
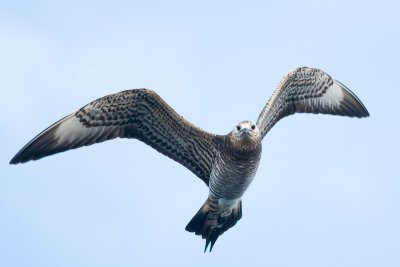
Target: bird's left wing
<point>309,90</point>
<point>138,113</point>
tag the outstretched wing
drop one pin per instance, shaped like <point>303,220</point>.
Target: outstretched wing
<point>309,90</point>
<point>138,113</point>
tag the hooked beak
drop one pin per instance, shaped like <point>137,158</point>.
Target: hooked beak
<point>244,131</point>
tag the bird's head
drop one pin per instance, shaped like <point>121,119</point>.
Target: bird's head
<point>246,134</point>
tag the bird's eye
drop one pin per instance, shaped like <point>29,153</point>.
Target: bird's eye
<point>253,127</point>
<point>238,127</point>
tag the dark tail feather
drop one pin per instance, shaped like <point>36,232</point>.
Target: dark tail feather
<point>211,221</point>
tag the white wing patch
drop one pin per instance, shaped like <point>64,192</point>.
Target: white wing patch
<point>70,130</point>
<point>333,96</point>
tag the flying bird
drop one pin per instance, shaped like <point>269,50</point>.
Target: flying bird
<point>226,163</point>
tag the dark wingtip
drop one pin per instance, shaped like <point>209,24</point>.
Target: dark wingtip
<point>26,154</point>
<point>353,103</point>
<point>366,114</point>
<point>18,159</point>
<point>13,161</point>
<point>41,146</point>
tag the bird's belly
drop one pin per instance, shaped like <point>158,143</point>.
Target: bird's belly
<point>228,183</point>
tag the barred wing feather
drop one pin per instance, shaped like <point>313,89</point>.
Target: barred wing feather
<point>137,113</point>
<point>309,90</point>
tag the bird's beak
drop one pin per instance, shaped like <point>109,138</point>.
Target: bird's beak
<point>245,131</point>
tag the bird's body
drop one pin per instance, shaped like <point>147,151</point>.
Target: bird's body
<point>235,165</point>
<point>226,163</point>
<point>234,168</point>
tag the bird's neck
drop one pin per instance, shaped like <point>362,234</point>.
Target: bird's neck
<point>243,147</point>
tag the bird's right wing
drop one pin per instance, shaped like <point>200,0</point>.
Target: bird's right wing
<point>309,90</point>
<point>138,113</point>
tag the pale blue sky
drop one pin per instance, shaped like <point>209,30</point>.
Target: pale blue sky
<point>327,189</point>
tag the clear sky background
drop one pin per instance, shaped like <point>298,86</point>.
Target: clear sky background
<point>327,191</point>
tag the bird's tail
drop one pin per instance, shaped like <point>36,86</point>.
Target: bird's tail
<point>212,220</point>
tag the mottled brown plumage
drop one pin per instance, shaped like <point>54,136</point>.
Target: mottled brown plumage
<point>226,163</point>
<point>138,113</point>
<point>309,90</point>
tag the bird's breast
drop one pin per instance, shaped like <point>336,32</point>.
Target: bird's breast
<point>232,174</point>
